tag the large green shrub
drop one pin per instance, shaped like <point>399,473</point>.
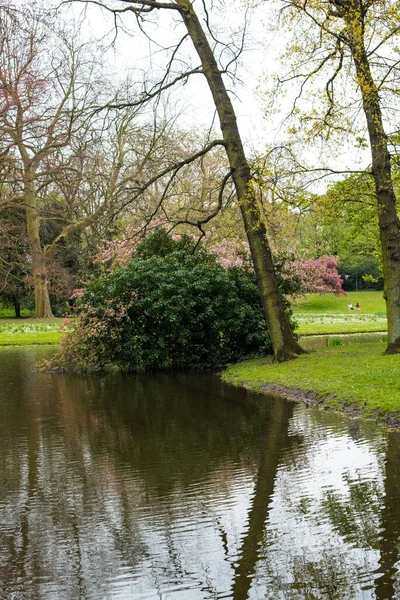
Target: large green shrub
<point>167,308</point>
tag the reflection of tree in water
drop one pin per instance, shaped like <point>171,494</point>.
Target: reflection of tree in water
<point>355,516</point>
<point>18,475</point>
<point>328,547</point>
<point>170,442</point>
<point>324,575</point>
<point>328,574</point>
<point>136,476</point>
<point>172,437</point>
<point>387,582</point>
<point>275,440</point>
<point>369,517</point>
<point>95,454</point>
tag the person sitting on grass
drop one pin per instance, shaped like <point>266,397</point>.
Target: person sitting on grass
<point>350,306</point>
<point>358,307</point>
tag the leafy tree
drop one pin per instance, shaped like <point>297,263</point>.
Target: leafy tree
<point>344,222</point>
<point>353,45</point>
<point>69,168</point>
<point>297,271</point>
<point>40,104</point>
<point>283,341</point>
<point>15,265</point>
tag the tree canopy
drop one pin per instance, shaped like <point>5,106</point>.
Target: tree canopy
<point>90,160</point>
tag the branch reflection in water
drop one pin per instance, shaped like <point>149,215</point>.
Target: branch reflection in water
<point>160,486</point>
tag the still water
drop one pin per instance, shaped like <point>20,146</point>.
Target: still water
<point>178,488</point>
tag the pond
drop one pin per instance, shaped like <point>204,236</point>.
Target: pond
<point>175,487</point>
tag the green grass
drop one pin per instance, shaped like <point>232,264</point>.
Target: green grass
<point>316,314</point>
<point>356,374</point>
<point>370,302</point>
<point>339,366</point>
<point>314,324</point>
<point>9,313</point>
<point>29,331</point>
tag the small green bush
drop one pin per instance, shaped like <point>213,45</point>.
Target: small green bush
<point>334,342</point>
<point>168,308</point>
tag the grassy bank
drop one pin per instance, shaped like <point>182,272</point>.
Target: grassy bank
<point>353,377</point>
<point>328,314</point>
<point>29,331</point>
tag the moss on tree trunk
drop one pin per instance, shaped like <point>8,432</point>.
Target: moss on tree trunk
<point>283,340</point>
<point>353,14</point>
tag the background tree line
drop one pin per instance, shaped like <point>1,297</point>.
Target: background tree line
<point>85,161</point>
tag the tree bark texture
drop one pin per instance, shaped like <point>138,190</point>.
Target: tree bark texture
<point>389,224</point>
<point>17,307</point>
<point>283,340</point>
<point>39,273</point>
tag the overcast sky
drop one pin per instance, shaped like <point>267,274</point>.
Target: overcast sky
<point>141,58</point>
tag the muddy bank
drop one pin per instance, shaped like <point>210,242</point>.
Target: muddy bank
<point>311,398</point>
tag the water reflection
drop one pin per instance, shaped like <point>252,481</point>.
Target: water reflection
<point>387,582</point>
<point>179,488</point>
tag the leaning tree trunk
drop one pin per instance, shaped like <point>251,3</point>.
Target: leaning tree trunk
<point>39,273</point>
<point>276,438</point>
<point>283,341</point>
<point>389,224</point>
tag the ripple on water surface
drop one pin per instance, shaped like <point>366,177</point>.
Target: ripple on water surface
<point>178,488</point>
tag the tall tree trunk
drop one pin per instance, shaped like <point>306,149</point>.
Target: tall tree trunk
<point>283,341</point>
<point>39,273</point>
<point>389,224</point>
<point>17,306</point>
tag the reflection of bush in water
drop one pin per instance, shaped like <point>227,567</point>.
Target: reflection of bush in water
<point>171,435</point>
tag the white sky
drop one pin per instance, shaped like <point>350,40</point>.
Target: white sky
<point>135,54</point>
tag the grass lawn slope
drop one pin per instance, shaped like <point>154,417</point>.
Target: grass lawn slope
<point>354,377</point>
<point>328,314</point>
<point>29,331</point>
